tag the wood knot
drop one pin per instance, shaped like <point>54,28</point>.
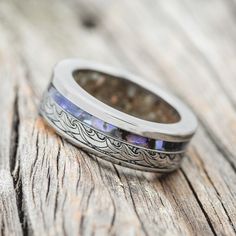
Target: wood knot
<point>89,21</point>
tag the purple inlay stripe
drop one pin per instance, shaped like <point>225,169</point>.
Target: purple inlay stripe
<point>138,140</point>
<point>159,144</point>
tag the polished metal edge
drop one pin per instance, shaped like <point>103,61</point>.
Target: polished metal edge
<point>65,83</point>
<point>108,148</point>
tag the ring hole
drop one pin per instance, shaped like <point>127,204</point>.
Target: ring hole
<point>126,96</point>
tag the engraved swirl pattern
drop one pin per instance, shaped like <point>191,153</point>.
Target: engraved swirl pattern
<point>105,145</point>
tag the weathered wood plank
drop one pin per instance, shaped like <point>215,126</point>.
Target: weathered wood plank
<point>66,191</point>
<point>9,216</point>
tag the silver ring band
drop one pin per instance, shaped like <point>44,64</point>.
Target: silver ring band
<point>109,133</point>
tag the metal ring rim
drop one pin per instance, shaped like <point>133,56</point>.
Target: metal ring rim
<point>65,83</point>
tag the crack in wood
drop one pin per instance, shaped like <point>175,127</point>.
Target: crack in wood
<point>57,191</point>
<point>113,217</point>
<point>15,166</point>
<point>217,192</point>
<point>135,209</point>
<point>199,203</point>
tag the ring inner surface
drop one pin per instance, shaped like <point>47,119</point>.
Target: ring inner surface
<point>126,96</point>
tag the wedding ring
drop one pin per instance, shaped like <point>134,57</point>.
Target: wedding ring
<point>120,117</point>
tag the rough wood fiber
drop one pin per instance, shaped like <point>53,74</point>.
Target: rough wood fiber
<point>49,187</point>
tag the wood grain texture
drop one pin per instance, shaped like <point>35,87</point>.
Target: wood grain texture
<point>49,187</point>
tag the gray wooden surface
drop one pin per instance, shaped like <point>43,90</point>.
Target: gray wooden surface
<point>49,187</point>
